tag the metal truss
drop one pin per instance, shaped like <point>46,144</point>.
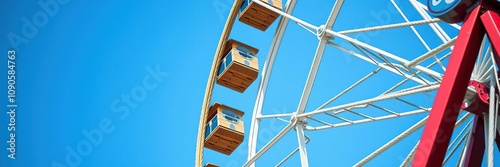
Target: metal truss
<point>419,77</point>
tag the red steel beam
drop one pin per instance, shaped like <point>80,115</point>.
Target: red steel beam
<point>491,22</point>
<point>444,113</point>
<point>475,149</point>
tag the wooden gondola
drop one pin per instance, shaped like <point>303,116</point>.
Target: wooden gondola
<point>224,129</point>
<point>257,15</point>
<point>239,68</point>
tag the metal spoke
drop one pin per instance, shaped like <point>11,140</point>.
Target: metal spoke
<point>390,26</point>
<point>349,88</point>
<point>392,142</point>
<point>409,158</point>
<point>292,153</point>
<point>460,138</point>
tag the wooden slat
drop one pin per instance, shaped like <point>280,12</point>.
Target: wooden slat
<point>224,140</point>
<point>237,77</point>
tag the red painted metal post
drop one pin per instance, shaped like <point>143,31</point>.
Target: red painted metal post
<point>475,149</point>
<point>491,22</point>
<point>444,113</point>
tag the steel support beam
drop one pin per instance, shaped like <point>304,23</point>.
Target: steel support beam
<point>431,53</point>
<point>304,162</point>
<point>491,22</point>
<point>475,148</point>
<point>445,110</point>
<point>482,19</point>
<point>323,40</point>
<point>270,144</point>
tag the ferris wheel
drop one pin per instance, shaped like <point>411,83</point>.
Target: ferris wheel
<point>443,88</point>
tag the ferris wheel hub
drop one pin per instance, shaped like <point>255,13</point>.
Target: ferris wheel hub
<point>451,11</point>
<point>479,103</point>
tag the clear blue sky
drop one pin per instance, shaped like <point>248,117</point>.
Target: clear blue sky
<point>132,75</point>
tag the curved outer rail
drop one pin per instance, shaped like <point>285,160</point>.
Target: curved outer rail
<point>211,79</point>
